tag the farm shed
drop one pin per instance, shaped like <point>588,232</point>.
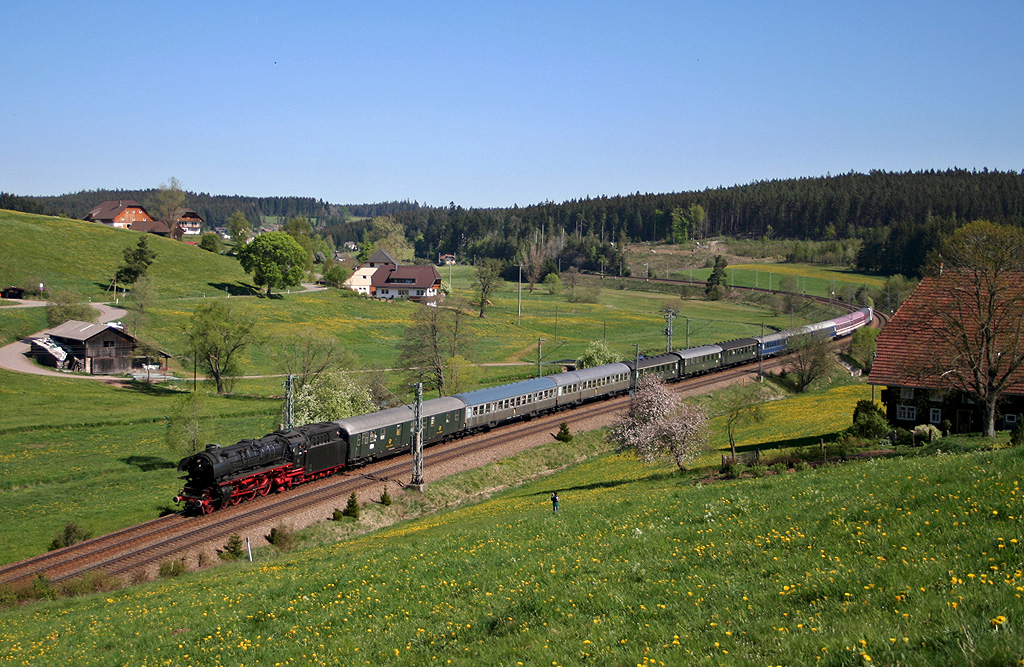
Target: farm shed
<point>99,349</point>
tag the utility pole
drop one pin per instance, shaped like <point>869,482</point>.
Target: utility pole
<point>636,374</point>
<point>519,319</point>
<point>289,401</point>
<point>670,315</point>
<point>539,341</point>
<point>417,441</point>
<point>760,377</point>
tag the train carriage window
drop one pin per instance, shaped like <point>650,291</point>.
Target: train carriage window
<point>431,421</point>
<point>398,430</point>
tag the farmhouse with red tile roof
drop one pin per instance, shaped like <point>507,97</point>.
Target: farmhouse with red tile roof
<point>120,213</point>
<point>381,276</point>
<point>920,370</point>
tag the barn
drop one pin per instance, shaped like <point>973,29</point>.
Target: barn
<point>99,349</point>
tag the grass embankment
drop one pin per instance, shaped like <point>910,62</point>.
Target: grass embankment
<point>73,450</point>
<point>906,561</point>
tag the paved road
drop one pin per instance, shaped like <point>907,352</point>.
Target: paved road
<point>14,357</point>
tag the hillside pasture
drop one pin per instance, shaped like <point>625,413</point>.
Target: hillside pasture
<point>908,561</point>
<point>83,257</point>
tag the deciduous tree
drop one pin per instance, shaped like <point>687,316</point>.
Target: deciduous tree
<point>597,354</point>
<point>64,305</point>
<point>978,321</point>
<point>239,229</point>
<point>742,405</point>
<point>274,259</point>
<point>809,359</point>
<point>185,424</point>
<point>218,335</point>
<point>658,425</point>
<point>331,396</point>
<point>488,277</point>
<point>308,354</point>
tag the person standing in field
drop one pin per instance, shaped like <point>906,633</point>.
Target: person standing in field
<point>554,502</point>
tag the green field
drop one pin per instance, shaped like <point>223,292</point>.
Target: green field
<point>906,561</point>
<point>83,256</point>
<point>75,450</point>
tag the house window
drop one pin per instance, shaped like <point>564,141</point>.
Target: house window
<point>906,412</point>
<point>1010,420</point>
<point>108,343</point>
<point>906,392</point>
<point>936,395</point>
<point>935,415</point>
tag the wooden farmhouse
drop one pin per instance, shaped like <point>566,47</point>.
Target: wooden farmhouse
<point>99,349</point>
<point>120,213</point>
<point>924,378</point>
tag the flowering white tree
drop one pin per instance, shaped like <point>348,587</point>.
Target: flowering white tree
<point>331,396</point>
<point>659,425</point>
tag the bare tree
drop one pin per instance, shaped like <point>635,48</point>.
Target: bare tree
<point>309,353</point>
<point>977,314</point>
<point>810,358</point>
<point>658,425</point>
<point>533,263</point>
<point>431,339</point>
<point>743,405</point>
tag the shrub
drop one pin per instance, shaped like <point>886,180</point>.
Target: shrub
<point>282,537</point>
<point>352,508</point>
<point>778,468</point>
<point>172,568</point>
<point>733,470</point>
<point>72,533</point>
<point>233,549</point>
<point>90,582</point>
<point>42,589</point>
<point>926,433</point>
<point>1017,435</point>
<point>868,420</point>
<point>385,498</point>
<point>563,433</point>
<point>800,466</point>
<point>757,470</point>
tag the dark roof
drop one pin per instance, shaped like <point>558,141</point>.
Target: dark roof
<point>382,257</point>
<point>82,331</point>
<point>109,210</point>
<point>911,350</point>
<point>419,277</point>
<point>151,226</point>
<point>185,214</point>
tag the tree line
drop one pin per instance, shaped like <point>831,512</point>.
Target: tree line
<point>898,217</point>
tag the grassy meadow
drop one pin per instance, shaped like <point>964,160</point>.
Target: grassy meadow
<point>913,561</point>
<point>74,450</point>
<point>83,257</point>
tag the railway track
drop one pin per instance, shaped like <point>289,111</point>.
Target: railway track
<point>142,547</point>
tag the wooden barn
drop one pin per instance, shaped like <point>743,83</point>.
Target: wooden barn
<point>99,349</point>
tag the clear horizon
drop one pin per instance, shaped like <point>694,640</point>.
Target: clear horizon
<point>502,104</point>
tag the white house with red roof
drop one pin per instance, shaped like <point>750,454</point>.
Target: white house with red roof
<point>381,276</point>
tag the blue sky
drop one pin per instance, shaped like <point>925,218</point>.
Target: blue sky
<point>500,103</point>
